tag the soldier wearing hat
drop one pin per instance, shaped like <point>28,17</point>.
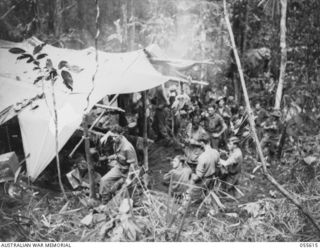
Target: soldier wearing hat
<point>222,109</point>
<point>231,168</point>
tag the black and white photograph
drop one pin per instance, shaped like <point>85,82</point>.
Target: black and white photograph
<point>159,121</point>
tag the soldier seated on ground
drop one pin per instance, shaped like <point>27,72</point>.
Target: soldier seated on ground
<point>179,176</point>
<point>123,158</point>
<point>230,169</point>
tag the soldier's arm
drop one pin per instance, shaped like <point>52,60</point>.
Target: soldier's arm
<point>231,160</point>
<point>167,176</point>
<point>200,170</point>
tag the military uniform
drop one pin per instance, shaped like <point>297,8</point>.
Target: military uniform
<point>125,156</point>
<point>180,179</point>
<point>204,173</point>
<point>160,124</point>
<point>193,150</point>
<point>233,168</point>
<point>214,124</point>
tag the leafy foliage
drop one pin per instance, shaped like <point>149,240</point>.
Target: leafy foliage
<point>48,72</point>
<point>37,49</point>
<point>16,50</point>
<point>67,79</point>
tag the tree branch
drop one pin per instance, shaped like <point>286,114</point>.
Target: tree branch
<point>8,12</point>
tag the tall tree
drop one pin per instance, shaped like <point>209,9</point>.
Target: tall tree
<point>132,25</point>
<point>283,53</point>
<point>124,9</point>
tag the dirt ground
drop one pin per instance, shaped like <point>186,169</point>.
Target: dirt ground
<point>49,202</point>
<point>253,186</point>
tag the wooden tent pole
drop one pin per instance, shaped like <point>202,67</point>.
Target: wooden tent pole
<point>88,156</point>
<point>92,126</point>
<point>145,131</point>
<point>8,137</point>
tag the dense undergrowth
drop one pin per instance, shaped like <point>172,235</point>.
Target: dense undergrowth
<point>261,214</point>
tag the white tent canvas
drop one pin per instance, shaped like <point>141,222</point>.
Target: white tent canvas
<point>117,73</point>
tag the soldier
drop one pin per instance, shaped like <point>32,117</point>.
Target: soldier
<point>230,169</point>
<point>181,105</point>
<point>260,114</point>
<point>123,158</point>
<point>271,127</point>
<point>215,126</point>
<point>193,147</point>
<point>222,109</point>
<point>207,162</point>
<point>180,175</point>
<point>203,178</point>
<point>160,119</point>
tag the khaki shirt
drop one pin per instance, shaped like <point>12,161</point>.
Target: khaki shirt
<point>207,163</point>
<point>126,152</point>
<point>181,178</point>
<point>234,161</point>
<point>214,123</point>
<point>194,151</point>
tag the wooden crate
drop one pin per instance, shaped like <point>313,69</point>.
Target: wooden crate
<point>9,164</point>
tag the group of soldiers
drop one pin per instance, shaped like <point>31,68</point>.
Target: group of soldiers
<point>206,139</point>
<point>208,128</point>
<point>201,130</point>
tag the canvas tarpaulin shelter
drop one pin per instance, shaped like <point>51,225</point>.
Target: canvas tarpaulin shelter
<point>117,73</point>
<point>11,93</point>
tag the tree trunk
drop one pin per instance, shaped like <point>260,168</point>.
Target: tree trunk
<point>36,16</point>
<point>88,156</point>
<point>124,10</point>
<point>57,138</point>
<point>145,133</point>
<point>86,111</point>
<point>133,26</point>
<point>283,54</point>
<point>55,17</point>
<point>58,19</point>
<point>245,29</point>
